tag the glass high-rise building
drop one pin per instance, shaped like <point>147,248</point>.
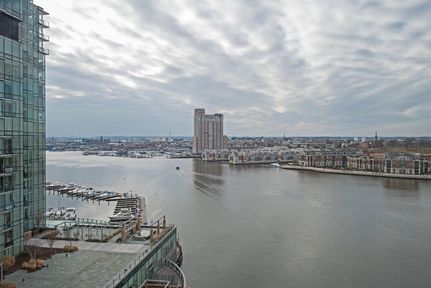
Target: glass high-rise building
<point>22,122</point>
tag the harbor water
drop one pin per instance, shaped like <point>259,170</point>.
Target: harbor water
<point>268,227</point>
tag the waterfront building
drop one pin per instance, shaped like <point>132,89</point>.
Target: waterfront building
<point>208,131</point>
<point>215,155</point>
<point>405,163</point>
<point>334,158</point>
<point>393,162</point>
<point>373,162</point>
<point>261,156</point>
<point>22,121</point>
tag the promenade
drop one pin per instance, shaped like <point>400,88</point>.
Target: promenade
<point>358,173</point>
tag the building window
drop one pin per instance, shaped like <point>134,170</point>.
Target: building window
<point>8,26</point>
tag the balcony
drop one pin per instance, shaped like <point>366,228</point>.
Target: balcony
<point>43,37</point>
<point>6,153</point>
<point>6,171</point>
<point>6,188</point>
<point>44,23</point>
<point>43,50</point>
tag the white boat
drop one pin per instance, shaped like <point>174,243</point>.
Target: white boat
<point>106,195</point>
<point>275,165</point>
<point>70,213</point>
<point>60,212</point>
<point>124,215</point>
<point>50,212</point>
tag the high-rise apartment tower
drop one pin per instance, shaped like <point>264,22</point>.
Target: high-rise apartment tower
<point>208,131</point>
<point>22,122</point>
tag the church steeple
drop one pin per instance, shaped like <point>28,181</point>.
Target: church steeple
<point>375,137</point>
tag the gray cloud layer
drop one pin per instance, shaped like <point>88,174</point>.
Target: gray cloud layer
<point>301,67</point>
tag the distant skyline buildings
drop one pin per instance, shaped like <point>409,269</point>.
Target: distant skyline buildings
<point>208,131</point>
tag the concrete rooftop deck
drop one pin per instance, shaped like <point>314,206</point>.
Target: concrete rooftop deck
<point>93,265</point>
<point>83,268</point>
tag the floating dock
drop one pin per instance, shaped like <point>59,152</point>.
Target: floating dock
<point>132,202</point>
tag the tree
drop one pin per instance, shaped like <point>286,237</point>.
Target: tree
<point>51,236</point>
<point>32,248</point>
<point>39,219</point>
<point>76,234</point>
<point>90,235</point>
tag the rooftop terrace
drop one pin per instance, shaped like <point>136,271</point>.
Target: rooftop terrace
<point>98,264</point>
<point>83,268</point>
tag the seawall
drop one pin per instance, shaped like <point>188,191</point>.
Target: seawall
<point>358,173</point>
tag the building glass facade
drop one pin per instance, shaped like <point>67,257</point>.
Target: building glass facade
<point>22,121</point>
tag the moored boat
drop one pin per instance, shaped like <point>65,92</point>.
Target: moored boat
<point>124,215</point>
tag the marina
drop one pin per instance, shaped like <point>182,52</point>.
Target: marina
<point>88,193</point>
<point>128,207</point>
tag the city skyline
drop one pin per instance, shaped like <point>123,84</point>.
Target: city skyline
<point>285,67</point>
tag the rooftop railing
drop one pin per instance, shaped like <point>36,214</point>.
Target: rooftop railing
<point>133,264</point>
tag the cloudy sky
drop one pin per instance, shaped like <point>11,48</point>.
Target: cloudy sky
<point>305,67</point>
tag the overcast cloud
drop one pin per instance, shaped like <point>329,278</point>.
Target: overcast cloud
<point>271,67</point>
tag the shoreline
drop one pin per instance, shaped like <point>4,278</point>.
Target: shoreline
<point>357,173</point>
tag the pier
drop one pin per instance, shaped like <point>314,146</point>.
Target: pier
<point>132,203</point>
<point>86,193</point>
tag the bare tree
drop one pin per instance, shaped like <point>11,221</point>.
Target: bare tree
<point>90,235</point>
<point>51,236</point>
<point>32,248</point>
<point>39,219</point>
<point>76,234</point>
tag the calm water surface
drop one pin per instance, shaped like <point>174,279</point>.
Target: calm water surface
<point>267,227</point>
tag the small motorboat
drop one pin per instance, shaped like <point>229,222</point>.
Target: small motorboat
<point>274,165</point>
<point>124,215</point>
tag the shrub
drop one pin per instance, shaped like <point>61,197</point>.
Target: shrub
<point>8,262</point>
<point>30,264</point>
<point>69,248</point>
<point>40,263</point>
<point>33,264</point>
<point>7,284</point>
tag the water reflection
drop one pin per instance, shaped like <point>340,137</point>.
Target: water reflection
<point>208,178</point>
<point>306,175</point>
<point>400,184</point>
<point>404,188</point>
<point>245,168</point>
